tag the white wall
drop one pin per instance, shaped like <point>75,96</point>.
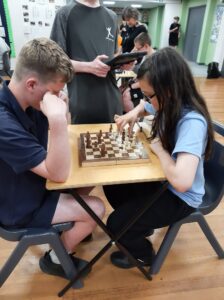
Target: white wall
<point>219,50</point>
<point>31,19</point>
<point>170,11</point>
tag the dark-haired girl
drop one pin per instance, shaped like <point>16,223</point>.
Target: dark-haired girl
<point>181,137</point>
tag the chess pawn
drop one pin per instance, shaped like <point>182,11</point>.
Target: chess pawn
<point>88,141</point>
<point>103,150</point>
<point>88,144</point>
<point>99,138</point>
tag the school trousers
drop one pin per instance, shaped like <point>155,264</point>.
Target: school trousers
<point>126,199</point>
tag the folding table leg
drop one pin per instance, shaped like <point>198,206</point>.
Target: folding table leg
<point>114,239</point>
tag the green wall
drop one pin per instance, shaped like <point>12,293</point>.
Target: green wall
<point>155,24</point>
<point>206,48</point>
<point>12,48</point>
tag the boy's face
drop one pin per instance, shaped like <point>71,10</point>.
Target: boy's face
<point>138,47</point>
<point>131,22</point>
<point>40,89</point>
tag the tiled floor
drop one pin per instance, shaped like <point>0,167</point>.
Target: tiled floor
<point>198,70</point>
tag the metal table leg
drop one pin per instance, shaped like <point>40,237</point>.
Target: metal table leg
<point>114,239</point>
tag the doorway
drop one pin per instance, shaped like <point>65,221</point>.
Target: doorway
<point>193,32</point>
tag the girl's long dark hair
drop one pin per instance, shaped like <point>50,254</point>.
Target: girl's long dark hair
<point>169,75</point>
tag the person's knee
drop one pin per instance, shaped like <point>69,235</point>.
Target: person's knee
<point>98,207</point>
<point>113,224</point>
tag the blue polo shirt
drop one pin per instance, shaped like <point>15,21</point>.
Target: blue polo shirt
<point>23,144</point>
<point>190,137</point>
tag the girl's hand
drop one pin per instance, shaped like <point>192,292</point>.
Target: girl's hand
<point>129,118</point>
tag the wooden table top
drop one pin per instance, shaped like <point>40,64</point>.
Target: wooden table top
<point>105,175</point>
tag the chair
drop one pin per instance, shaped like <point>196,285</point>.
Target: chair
<point>6,63</point>
<point>214,191</point>
<point>36,236</point>
<point>6,66</point>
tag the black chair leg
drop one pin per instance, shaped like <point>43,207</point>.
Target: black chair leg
<point>164,248</point>
<point>12,261</point>
<point>210,236</point>
<point>51,238</point>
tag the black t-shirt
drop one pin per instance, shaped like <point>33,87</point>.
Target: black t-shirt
<point>174,36</point>
<point>132,32</point>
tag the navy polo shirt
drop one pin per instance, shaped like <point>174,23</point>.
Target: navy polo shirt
<point>23,144</point>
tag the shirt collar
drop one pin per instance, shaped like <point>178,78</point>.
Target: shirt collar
<point>8,100</point>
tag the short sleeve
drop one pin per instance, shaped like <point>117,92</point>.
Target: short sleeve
<point>58,31</point>
<point>191,135</point>
<point>20,149</point>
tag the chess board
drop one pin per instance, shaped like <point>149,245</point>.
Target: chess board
<point>117,150</point>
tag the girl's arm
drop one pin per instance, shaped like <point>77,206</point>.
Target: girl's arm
<point>179,173</point>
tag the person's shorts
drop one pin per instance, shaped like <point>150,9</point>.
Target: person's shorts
<point>44,215</point>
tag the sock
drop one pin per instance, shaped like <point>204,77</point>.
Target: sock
<point>54,257</point>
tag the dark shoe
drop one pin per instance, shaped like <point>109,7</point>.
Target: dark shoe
<point>51,268</point>
<point>88,238</point>
<point>120,260</point>
<point>150,232</point>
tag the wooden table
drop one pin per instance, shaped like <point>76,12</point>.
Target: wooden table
<point>104,175</point>
<point>107,175</point>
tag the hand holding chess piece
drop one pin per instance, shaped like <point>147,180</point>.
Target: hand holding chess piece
<point>130,118</point>
<point>122,121</point>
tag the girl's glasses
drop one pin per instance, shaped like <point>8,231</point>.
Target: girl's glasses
<point>147,98</point>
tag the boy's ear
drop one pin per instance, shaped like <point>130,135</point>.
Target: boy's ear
<point>31,83</point>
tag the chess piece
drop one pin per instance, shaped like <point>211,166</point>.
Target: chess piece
<point>88,141</point>
<point>103,150</point>
<point>123,136</point>
<point>99,138</point>
<point>111,128</point>
<point>88,144</point>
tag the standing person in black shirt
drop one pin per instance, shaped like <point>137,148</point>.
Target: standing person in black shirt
<point>174,33</point>
<point>131,16</point>
<point>123,28</point>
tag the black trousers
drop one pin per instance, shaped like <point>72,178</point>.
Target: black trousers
<point>126,200</point>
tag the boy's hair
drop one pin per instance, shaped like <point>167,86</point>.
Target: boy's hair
<point>169,75</point>
<point>44,58</point>
<point>177,18</point>
<point>130,12</point>
<point>143,39</point>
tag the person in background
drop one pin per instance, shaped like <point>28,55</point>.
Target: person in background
<point>87,32</point>
<point>181,137</point>
<point>174,32</point>
<point>132,95</point>
<point>123,28</point>
<point>31,104</point>
<point>3,48</point>
<point>131,16</point>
